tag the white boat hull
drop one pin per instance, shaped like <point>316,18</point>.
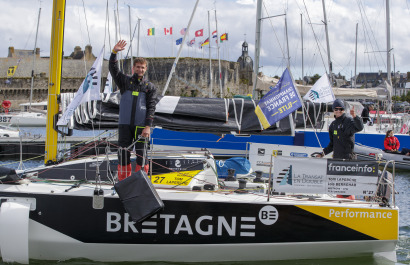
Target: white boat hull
<point>23,119</point>
<point>196,226</point>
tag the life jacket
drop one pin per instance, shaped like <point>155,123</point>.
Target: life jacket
<point>391,141</point>
<point>133,108</point>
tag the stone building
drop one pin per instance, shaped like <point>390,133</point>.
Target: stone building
<point>191,77</point>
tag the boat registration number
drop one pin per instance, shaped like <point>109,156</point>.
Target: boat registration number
<point>5,119</point>
<point>181,178</point>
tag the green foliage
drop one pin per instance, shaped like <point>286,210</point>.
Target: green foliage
<point>314,79</point>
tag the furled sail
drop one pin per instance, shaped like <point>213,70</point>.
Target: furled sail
<point>191,114</point>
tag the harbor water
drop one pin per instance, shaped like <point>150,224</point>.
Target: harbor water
<point>402,186</point>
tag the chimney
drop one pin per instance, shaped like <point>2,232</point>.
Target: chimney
<point>37,53</point>
<point>11,52</point>
<point>88,53</point>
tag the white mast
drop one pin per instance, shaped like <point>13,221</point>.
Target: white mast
<point>257,45</point>
<point>210,60</point>
<point>34,59</point>
<point>129,19</point>
<point>138,43</point>
<point>301,34</point>
<point>327,43</point>
<point>219,60</point>
<point>355,57</point>
<point>179,51</point>
<point>287,41</point>
<point>388,42</point>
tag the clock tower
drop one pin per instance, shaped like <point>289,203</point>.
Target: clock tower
<point>245,69</point>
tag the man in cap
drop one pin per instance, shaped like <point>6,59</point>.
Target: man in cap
<point>366,112</point>
<point>341,132</point>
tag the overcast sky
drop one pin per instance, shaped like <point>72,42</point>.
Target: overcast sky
<point>86,22</point>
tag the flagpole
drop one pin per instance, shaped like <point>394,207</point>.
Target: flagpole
<point>179,51</point>
<point>210,60</point>
<point>138,43</point>
<point>219,60</point>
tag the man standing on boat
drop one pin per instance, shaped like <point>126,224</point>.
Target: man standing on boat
<point>341,132</point>
<point>137,108</point>
<point>365,113</point>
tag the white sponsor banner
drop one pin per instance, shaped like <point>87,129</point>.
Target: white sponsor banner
<point>260,154</point>
<point>324,176</point>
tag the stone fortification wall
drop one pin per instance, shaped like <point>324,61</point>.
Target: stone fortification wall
<point>191,77</point>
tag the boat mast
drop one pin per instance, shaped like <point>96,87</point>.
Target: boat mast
<point>129,19</point>
<point>54,81</point>
<point>219,59</point>
<point>287,41</point>
<point>355,57</point>
<point>210,60</point>
<point>257,45</point>
<point>327,43</point>
<point>138,42</point>
<point>34,60</point>
<point>388,53</point>
<point>179,51</point>
<point>301,34</point>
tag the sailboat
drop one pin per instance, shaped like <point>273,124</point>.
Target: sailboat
<point>202,220</point>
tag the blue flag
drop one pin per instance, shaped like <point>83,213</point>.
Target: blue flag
<point>178,41</point>
<point>279,102</point>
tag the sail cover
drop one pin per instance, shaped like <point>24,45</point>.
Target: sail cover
<point>191,114</point>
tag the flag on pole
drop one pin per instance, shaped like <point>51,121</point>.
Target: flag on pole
<point>168,31</point>
<point>11,71</point>
<point>206,42</point>
<point>224,37</point>
<point>279,102</point>
<point>214,34</point>
<point>88,91</point>
<point>178,41</point>
<point>200,44</point>
<point>191,42</point>
<point>321,91</point>
<point>199,33</point>
<point>183,31</point>
<point>151,32</point>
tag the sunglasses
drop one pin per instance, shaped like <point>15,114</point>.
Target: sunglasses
<point>339,109</point>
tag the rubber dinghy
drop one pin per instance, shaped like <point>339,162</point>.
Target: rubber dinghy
<point>367,152</point>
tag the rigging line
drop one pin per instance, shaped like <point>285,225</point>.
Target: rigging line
<point>314,34</point>
<point>372,34</point>
<point>274,31</point>
<point>82,40</point>
<point>86,24</point>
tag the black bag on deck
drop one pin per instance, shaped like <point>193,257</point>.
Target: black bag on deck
<point>139,197</point>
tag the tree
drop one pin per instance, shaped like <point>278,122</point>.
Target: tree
<point>314,79</point>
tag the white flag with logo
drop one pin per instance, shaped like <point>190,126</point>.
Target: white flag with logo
<point>88,91</point>
<point>321,91</point>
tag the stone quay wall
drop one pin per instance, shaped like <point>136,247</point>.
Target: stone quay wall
<point>191,77</point>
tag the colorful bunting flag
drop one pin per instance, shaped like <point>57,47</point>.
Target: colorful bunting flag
<point>151,32</point>
<point>224,37</point>
<point>168,31</point>
<point>214,34</point>
<point>183,31</point>
<point>199,33</point>
<point>279,102</point>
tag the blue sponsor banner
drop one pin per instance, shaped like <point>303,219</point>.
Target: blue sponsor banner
<point>279,102</point>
